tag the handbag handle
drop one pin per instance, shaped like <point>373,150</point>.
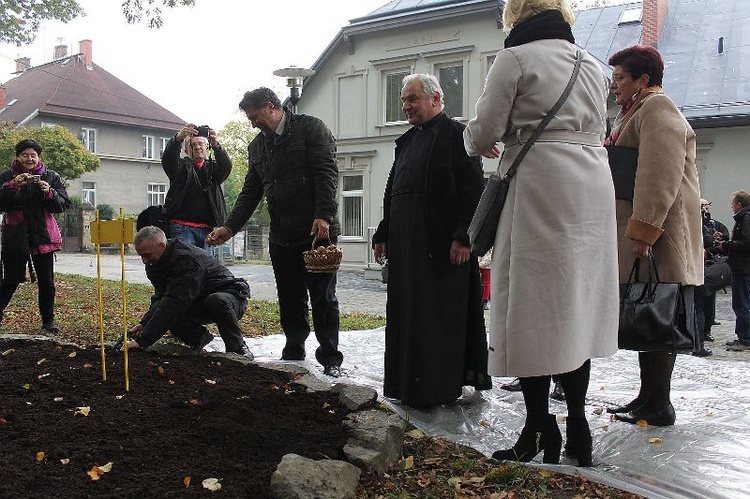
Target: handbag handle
<point>653,276</point>
<point>543,124</point>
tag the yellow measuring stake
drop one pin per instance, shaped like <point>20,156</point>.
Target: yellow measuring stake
<point>120,231</point>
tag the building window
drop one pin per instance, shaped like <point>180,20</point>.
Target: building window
<point>164,141</point>
<point>88,193</point>
<point>352,205</point>
<point>88,137</point>
<point>451,77</point>
<point>392,86</point>
<point>157,194</point>
<point>148,147</point>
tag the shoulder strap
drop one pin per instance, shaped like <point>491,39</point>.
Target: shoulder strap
<point>551,114</point>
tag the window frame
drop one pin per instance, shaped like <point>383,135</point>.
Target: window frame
<point>86,190</point>
<point>86,133</point>
<point>459,56</point>
<point>153,194</point>
<point>148,147</point>
<point>352,194</point>
<point>386,67</point>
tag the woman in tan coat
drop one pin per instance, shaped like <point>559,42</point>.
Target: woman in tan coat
<point>554,262</point>
<point>664,215</point>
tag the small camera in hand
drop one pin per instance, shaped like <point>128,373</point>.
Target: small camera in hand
<point>203,130</point>
<point>35,178</point>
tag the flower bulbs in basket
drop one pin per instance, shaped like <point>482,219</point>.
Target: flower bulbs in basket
<point>324,259</point>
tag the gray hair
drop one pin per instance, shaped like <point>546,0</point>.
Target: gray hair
<point>430,85</point>
<point>187,144</point>
<point>151,234</point>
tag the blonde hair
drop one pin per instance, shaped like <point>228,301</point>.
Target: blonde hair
<point>517,11</point>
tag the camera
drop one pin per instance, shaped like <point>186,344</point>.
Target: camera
<point>35,178</point>
<point>203,130</point>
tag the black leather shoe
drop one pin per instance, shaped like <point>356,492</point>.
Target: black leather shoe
<point>558,393</point>
<point>332,371</point>
<point>709,338</point>
<point>663,417</point>
<point>245,352</point>
<point>513,386</point>
<point>703,353</point>
<point>630,406</point>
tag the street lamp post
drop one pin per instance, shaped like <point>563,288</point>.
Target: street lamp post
<point>294,77</point>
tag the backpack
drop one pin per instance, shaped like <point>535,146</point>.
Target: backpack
<point>153,215</point>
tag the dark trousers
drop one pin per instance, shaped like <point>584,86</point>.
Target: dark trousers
<point>700,316</point>
<point>741,306</point>
<point>14,273</point>
<point>293,283</point>
<point>222,309</point>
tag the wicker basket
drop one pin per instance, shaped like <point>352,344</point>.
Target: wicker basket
<point>324,259</point>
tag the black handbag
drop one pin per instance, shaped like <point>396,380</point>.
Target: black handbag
<point>623,163</point>
<point>483,226</point>
<point>653,317</point>
<point>716,275</point>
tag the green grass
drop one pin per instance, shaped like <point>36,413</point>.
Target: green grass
<point>77,311</point>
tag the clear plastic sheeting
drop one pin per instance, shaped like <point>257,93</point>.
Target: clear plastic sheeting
<point>705,454</point>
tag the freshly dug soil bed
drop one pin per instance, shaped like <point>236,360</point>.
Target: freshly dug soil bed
<point>193,416</point>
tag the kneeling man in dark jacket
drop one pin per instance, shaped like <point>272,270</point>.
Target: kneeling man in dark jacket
<point>191,288</point>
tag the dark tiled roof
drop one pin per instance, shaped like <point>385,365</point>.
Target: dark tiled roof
<point>708,86</point>
<point>67,89</point>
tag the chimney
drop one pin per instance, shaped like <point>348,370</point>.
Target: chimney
<point>22,64</point>
<point>654,12</point>
<point>86,51</point>
<point>2,97</point>
<point>60,52</point>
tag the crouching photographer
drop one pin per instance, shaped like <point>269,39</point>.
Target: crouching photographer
<point>195,202</point>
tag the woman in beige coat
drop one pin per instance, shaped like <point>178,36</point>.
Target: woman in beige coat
<point>554,263</point>
<point>664,216</point>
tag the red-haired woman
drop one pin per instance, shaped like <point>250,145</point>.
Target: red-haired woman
<point>664,216</point>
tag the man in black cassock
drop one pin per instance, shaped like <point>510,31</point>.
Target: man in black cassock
<point>435,341</point>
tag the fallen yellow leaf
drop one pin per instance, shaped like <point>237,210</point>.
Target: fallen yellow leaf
<point>97,471</point>
<point>40,456</point>
<point>40,362</point>
<point>186,481</point>
<point>545,473</point>
<point>654,440</point>
<point>26,386</point>
<point>42,376</point>
<point>642,423</point>
<point>211,484</point>
<point>72,354</point>
<point>83,411</point>
<point>87,365</point>
<point>408,463</point>
<point>415,433</point>
<point>160,370</point>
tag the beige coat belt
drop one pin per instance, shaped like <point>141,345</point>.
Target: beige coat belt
<point>569,136</point>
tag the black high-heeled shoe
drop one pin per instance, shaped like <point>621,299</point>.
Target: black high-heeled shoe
<point>661,417</point>
<point>578,441</point>
<point>532,441</point>
<point>630,406</point>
